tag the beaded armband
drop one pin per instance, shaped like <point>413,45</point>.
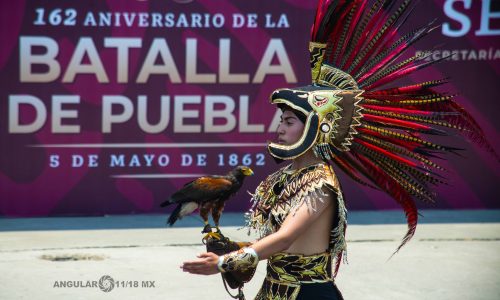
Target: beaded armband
<point>243,259</point>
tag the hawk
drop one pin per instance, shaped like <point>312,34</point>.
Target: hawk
<point>209,194</point>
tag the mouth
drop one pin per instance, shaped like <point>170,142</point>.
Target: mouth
<point>281,142</point>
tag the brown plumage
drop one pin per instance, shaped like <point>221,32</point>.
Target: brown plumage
<point>209,194</point>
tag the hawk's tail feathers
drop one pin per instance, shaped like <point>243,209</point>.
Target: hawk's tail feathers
<point>182,210</point>
<point>175,215</point>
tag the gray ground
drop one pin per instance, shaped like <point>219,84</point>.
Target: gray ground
<point>454,255</point>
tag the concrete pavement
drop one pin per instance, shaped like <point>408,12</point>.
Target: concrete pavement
<point>443,261</point>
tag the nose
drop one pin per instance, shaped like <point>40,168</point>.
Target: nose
<point>280,130</point>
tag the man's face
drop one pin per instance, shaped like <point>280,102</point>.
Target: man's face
<point>290,128</point>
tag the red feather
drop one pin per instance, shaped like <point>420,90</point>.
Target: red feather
<point>407,124</point>
<point>398,110</point>
<point>409,89</point>
<point>395,190</point>
<point>407,144</point>
<point>386,153</point>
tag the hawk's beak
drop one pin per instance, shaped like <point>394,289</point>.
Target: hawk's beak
<point>247,172</point>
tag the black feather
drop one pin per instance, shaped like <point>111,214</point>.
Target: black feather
<point>175,215</point>
<point>166,203</point>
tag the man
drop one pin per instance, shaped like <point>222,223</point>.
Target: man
<point>303,226</point>
<point>351,118</point>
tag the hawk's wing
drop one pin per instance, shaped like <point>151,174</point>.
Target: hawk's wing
<point>203,189</point>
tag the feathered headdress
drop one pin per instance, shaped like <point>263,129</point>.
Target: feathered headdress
<point>374,133</point>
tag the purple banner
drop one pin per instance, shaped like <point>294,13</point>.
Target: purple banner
<point>108,107</point>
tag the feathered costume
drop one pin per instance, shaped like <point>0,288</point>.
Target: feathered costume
<point>376,133</point>
<point>280,195</point>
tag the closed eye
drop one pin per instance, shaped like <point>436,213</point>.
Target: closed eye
<point>289,120</point>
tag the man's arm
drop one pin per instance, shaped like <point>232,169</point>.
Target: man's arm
<point>294,225</point>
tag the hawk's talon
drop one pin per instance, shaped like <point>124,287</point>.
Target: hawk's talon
<point>213,235</point>
<point>207,229</point>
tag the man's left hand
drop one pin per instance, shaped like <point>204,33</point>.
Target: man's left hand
<point>206,264</point>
